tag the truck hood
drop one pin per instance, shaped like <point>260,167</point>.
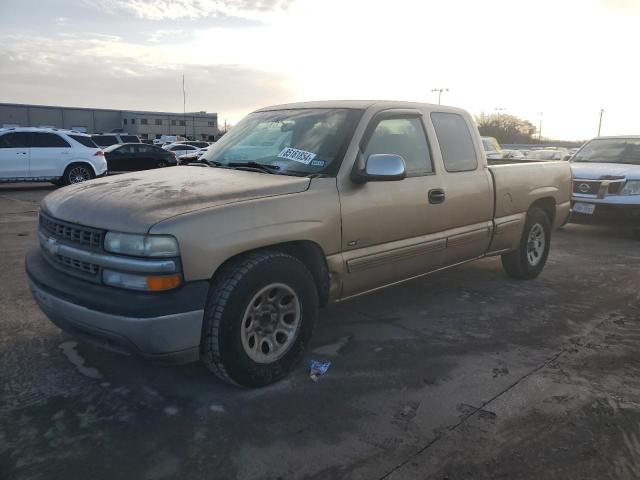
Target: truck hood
<point>604,171</point>
<point>134,202</point>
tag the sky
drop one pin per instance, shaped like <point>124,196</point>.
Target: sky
<point>559,61</point>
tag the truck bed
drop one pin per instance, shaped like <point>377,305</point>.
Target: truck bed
<point>517,185</point>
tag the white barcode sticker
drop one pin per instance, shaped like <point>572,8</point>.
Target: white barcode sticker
<point>296,155</point>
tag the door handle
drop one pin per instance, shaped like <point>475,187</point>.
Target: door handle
<point>436,196</point>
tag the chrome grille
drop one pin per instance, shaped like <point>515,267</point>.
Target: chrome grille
<point>592,190</point>
<point>71,233</point>
<point>85,267</point>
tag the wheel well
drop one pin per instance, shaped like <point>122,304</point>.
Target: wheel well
<point>548,205</point>
<point>308,252</point>
<point>79,162</point>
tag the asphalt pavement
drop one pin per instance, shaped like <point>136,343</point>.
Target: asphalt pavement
<point>465,374</point>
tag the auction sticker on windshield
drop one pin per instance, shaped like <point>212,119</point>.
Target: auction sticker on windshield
<point>296,155</point>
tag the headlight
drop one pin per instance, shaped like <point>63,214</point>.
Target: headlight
<point>141,245</point>
<point>632,187</point>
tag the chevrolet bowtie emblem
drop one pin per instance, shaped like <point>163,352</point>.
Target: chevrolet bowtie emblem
<point>52,246</point>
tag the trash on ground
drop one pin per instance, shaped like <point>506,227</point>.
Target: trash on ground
<point>317,369</point>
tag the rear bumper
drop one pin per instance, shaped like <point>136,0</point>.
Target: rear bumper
<point>164,327</point>
<point>608,214</point>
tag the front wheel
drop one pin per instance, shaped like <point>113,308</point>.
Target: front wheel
<point>529,259</point>
<point>258,319</point>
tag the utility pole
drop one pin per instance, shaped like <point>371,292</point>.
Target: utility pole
<point>540,130</point>
<point>600,122</point>
<point>184,107</point>
<point>440,90</point>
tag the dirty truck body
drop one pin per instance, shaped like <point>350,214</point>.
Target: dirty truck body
<point>229,262</point>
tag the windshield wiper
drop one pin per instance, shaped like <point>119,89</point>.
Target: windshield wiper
<point>255,165</point>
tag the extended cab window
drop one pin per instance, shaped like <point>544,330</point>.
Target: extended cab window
<point>456,143</point>
<point>404,137</point>
<point>48,140</point>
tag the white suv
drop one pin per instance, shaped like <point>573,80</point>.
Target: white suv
<point>49,155</point>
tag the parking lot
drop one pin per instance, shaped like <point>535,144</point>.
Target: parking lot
<point>462,374</point>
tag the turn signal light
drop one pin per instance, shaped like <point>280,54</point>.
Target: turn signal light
<point>163,282</point>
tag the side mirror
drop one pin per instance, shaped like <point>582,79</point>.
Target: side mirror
<point>381,167</point>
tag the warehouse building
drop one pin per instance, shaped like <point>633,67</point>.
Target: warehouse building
<point>149,125</point>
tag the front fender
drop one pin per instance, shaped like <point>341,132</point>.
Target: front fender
<point>208,238</point>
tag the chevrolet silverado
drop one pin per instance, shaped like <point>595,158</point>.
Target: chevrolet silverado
<point>297,207</point>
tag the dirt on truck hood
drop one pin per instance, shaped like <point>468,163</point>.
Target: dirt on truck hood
<point>133,202</point>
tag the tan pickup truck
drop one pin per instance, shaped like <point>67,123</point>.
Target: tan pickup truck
<point>298,206</point>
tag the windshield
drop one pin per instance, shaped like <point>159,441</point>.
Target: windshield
<point>611,150</point>
<point>297,142</point>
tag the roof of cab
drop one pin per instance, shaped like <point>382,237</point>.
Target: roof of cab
<point>617,137</point>
<point>357,104</point>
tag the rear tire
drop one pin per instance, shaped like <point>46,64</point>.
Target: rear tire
<point>529,259</point>
<point>258,319</point>
<point>77,173</point>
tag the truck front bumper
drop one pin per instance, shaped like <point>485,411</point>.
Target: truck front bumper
<point>160,326</point>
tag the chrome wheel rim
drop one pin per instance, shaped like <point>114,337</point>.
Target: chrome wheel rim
<point>78,175</point>
<point>271,322</point>
<point>535,244</point>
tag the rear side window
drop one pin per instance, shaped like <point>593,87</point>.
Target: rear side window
<point>86,141</point>
<point>404,137</point>
<point>14,140</point>
<point>105,140</point>
<point>48,140</point>
<point>456,143</point>
<point>142,148</point>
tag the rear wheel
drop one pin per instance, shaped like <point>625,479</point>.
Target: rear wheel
<point>529,259</point>
<point>258,319</point>
<point>77,173</point>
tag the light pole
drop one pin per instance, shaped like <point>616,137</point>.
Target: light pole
<point>440,90</point>
<point>600,122</point>
<point>540,130</point>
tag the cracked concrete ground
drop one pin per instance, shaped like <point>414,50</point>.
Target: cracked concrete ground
<point>465,374</point>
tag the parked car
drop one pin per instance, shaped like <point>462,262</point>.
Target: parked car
<point>180,148</point>
<point>49,155</point>
<point>606,183</point>
<point>130,157</point>
<point>492,148</point>
<point>194,143</point>
<point>512,155</point>
<point>229,261</point>
<point>193,156</point>
<point>108,139</point>
<point>549,154</point>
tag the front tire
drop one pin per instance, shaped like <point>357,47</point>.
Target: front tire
<point>529,259</point>
<point>258,319</point>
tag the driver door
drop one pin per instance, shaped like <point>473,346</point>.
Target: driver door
<point>391,230</point>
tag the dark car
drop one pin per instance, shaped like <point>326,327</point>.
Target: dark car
<point>127,157</point>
